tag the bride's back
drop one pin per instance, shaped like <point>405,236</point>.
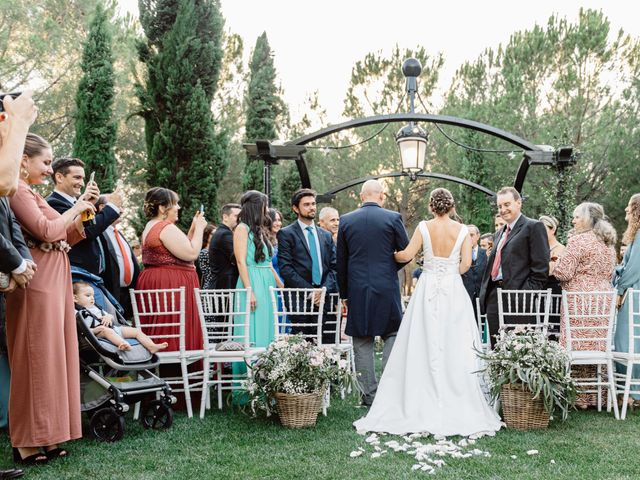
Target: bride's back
<point>443,233</point>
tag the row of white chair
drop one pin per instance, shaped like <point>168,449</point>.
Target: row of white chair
<point>225,321</point>
<point>585,344</point>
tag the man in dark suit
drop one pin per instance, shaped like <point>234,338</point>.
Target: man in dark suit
<point>307,256</point>
<point>472,279</point>
<point>368,280</point>
<point>224,271</point>
<point>16,262</point>
<point>519,260</point>
<point>68,175</point>
<point>121,267</point>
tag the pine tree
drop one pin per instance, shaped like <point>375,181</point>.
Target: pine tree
<point>263,106</point>
<point>95,125</point>
<point>186,151</point>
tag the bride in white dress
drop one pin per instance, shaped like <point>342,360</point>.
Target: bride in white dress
<point>429,384</point>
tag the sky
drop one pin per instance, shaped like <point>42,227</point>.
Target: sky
<point>316,43</point>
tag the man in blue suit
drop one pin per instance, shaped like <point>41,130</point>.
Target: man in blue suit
<point>307,255</point>
<point>368,280</point>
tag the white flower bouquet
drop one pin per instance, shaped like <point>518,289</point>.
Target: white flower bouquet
<point>293,365</point>
<point>526,357</point>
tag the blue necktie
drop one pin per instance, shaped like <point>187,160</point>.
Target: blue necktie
<point>316,278</point>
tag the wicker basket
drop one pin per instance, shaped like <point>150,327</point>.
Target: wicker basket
<point>298,410</point>
<point>520,411</point>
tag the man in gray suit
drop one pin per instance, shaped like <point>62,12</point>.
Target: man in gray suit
<point>368,280</point>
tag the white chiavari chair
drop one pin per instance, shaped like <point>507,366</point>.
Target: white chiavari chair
<point>161,315</point>
<point>589,318</point>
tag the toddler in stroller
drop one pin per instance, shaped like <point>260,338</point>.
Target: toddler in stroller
<point>101,323</point>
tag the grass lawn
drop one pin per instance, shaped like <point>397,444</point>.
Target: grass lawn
<point>230,445</point>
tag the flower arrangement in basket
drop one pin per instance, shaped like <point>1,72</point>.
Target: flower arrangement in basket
<point>532,377</point>
<point>292,376</point>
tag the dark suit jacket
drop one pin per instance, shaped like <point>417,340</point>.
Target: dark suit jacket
<point>472,279</point>
<point>367,271</point>
<point>13,250</point>
<point>294,258</point>
<point>86,253</point>
<point>525,258</point>
<point>224,272</point>
<point>12,246</point>
<point>111,274</point>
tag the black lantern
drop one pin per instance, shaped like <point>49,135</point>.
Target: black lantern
<point>411,139</point>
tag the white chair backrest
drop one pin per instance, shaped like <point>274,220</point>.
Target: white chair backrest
<point>224,316</point>
<point>297,303</point>
<point>524,307</point>
<point>588,317</point>
<point>633,301</point>
<point>483,325</point>
<point>160,314</point>
<point>333,320</point>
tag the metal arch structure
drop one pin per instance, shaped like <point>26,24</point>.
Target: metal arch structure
<point>295,149</point>
<point>330,195</point>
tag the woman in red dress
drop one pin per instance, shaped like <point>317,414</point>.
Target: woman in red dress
<point>44,402</point>
<point>168,255</point>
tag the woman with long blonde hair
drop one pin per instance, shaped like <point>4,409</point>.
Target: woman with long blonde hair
<point>627,276</point>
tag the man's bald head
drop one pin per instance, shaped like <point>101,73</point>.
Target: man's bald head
<point>372,191</point>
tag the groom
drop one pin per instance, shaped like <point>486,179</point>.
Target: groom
<point>368,280</point>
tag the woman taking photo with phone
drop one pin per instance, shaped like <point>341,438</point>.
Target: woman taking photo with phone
<point>44,403</point>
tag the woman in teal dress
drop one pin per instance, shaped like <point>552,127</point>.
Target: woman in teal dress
<point>253,251</point>
<point>627,276</point>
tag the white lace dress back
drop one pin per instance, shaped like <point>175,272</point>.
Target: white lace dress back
<point>430,382</point>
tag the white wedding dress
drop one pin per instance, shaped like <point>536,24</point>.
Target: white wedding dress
<point>429,384</point>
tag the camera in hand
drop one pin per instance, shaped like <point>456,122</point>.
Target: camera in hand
<point>13,95</point>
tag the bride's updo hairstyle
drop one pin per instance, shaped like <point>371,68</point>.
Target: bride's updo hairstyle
<point>441,201</point>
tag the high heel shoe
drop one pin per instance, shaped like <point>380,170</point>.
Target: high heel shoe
<point>56,453</point>
<point>35,459</point>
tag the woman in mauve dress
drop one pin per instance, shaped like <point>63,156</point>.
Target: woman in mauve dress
<point>44,402</point>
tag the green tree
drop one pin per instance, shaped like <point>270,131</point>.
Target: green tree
<point>94,122</point>
<point>559,84</point>
<point>183,56</point>
<point>263,106</point>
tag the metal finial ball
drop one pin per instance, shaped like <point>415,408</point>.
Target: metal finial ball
<point>411,67</point>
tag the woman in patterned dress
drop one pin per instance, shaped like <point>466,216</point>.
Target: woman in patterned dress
<point>587,266</point>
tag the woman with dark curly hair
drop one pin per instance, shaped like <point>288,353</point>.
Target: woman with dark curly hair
<point>627,276</point>
<point>430,383</point>
<point>168,255</point>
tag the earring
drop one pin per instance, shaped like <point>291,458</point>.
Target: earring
<point>24,173</point>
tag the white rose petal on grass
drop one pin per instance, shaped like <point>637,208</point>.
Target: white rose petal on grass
<point>375,454</point>
<point>532,452</point>
<point>371,438</point>
<point>514,456</point>
<point>552,462</point>
<point>356,453</point>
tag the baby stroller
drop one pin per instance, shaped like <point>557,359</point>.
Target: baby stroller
<point>112,379</point>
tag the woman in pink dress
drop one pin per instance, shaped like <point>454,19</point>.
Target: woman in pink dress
<point>586,265</point>
<point>168,256</point>
<point>44,402</point>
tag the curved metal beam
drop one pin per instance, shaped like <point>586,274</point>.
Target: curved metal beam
<point>417,117</point>
<point>328,196</point>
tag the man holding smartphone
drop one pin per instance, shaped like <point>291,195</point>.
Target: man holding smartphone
<point>68,176</point>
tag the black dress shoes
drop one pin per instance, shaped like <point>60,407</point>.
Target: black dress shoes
<point>12,473</point>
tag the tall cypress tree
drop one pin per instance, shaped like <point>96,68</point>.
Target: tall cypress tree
<point>95,126</point>
<point>263,105</point>
<point>183,56</point>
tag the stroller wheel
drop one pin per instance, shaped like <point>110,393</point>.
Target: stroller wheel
<point>157,416</point>
<point>107,425</point>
